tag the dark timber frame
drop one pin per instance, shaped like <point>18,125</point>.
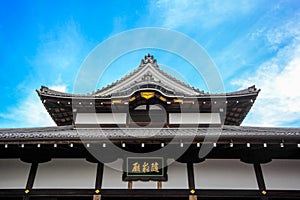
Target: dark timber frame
<point>221,151</point>
<point>167,193</point>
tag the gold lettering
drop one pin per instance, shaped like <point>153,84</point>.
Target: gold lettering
<point>146,167</point>
<point>136,168</point>
<point>154,167</point>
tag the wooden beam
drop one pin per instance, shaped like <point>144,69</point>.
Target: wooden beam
<point>154,193</point>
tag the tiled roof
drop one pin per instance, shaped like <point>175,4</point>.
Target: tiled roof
<point>70,133</point>
<point>149,59</point>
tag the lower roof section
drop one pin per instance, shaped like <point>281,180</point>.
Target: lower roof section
<point>233,134</point>
<point>250,144</point>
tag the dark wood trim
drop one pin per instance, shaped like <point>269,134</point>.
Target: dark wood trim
<point>26,198</point>
<point>190,174</point>
<point>168,119</point>
<point>99,176</point>
<point>150,193</point>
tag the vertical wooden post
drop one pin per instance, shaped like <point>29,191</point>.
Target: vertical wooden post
<point>168,120</point>
<point>190,173</point>
<point>99,176</point>
<point>97,197</point>
<point>159,185</point>
<point>127,119</point>
<point>191,180</point>
<point>129,184</point>
<point>192,197</point>
<point>98,184</point>
<point>260,180</point>
<point>30,180</point>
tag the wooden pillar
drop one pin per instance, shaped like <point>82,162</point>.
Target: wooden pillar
<point>127,119</point>
<point>99,176</point>
<point>191,181</point>
<point>159,185</point>
<point>192,197</point>
<point>97,197</point>
<point>168,120</point>
<point>30,180</point>
<point>190,173</point>
<point>260,180</point>
<point>129,184</point>
<point>98,184</point>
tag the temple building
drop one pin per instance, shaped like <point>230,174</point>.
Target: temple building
<point>149,136</point>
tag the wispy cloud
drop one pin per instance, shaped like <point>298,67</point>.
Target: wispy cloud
<point>56,62</point>
<point>60,53</point>
<point>30,112</point>
<point>278,103</point>
<point>210,13</point>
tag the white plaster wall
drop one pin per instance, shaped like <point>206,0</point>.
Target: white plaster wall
<point>194,118</point>
<point>66,173</point>
<point>282,174</point>
<point>112,176</point>
<point>101,118</point>
<point>224,174</point>
<point>177,177</point>
<point>13,173</point>
<point>144,185</point>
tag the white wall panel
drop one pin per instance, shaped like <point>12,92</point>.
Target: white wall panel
<point>101,118</point>
<point>66,173</point>
<point>144,185</point>
<point>112,176</point>
<point>194,118</point>
<point>282,174</point>
<point>224,174</point>
<point>13,173</point>
<point>177,177</point>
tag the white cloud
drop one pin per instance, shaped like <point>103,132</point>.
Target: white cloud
<point>278,104</point>
<point>30,112</point>
<point>57,60</point>
<point>59,54</point>
<point>61,47</point>
<point>210,13</point>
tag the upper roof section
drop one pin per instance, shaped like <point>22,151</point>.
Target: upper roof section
<point>148,75</point>
<point>145,86</point>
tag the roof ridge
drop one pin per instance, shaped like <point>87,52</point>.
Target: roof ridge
<point>147,59</point>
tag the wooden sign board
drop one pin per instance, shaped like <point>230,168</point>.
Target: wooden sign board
<point>144,169</point>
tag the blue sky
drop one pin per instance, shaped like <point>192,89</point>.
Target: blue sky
<point>251,42</point>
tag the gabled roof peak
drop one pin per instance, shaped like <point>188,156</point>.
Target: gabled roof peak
<point>149,59</point>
